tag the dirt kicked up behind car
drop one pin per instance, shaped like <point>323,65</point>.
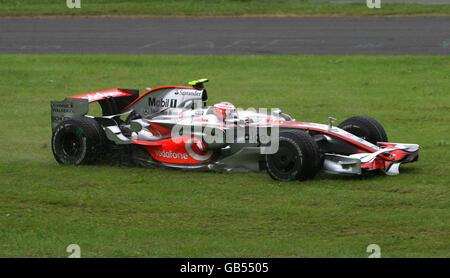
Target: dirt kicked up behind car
<point>172,126</point>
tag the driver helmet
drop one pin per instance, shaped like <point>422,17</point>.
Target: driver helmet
<point>224,110</point>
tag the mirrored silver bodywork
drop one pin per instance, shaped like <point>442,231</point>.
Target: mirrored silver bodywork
<point>242,142</point>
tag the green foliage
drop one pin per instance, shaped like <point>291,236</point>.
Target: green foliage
<point>209,8</point>
<point>117,211</point>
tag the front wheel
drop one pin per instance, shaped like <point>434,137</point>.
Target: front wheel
<point>297,157</point>
<point>366,128</point>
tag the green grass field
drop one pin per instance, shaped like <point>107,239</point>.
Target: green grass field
<point>209,8</point>
<point>114,211</point>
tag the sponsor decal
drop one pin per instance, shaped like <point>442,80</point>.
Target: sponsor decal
<point>100,95</point>
<point>162,102</point>
<point>199,157</point>
<point>62,107</point>
<point>187,92</point>
<point>273,121</point>
<point>172,155</point>
<point>201,120</point>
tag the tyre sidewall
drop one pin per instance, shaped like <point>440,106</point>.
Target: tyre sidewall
<point>358,129</point>
<point>366,128</point>
<point>89,135</point>
<point>65,129</point>
<point>293,175</point>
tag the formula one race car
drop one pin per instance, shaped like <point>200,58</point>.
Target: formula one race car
<point>172,126</point>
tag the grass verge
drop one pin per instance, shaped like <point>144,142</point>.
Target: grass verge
<point>210,8</point>
<point>113,211</point>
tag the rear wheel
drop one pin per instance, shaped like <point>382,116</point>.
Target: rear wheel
<point>78,141</point>
<point>297,157</point>
<point>366,128</point>
<point>141,157</point>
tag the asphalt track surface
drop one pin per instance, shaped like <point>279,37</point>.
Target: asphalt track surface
<point>241,36</point>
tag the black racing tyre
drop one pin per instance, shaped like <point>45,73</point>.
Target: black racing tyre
<point>141,157</point>
<point>366,128</point>
<point>297,157</point>
<point>78,141</point>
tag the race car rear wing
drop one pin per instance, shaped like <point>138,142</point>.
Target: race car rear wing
<point>67,109</point>
<point>111,101</point>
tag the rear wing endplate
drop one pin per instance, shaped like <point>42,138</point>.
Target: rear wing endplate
<point>67,109</point>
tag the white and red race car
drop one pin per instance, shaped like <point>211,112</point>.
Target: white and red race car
<point>172,126</point>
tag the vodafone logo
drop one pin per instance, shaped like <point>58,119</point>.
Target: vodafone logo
<point>172,155</point>
<point>194,151</point>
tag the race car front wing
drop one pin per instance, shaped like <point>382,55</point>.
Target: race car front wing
<point>387,159</point>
